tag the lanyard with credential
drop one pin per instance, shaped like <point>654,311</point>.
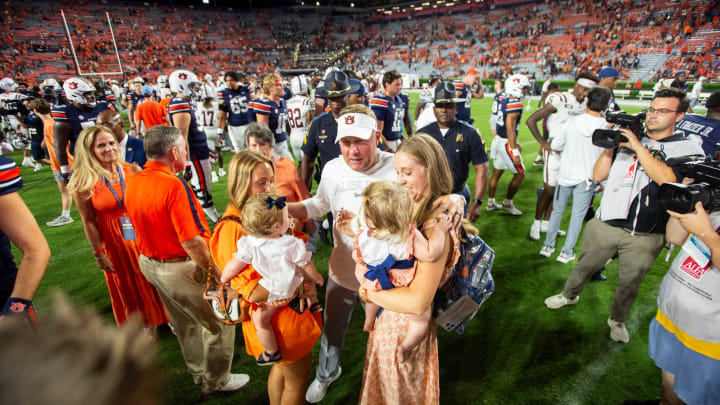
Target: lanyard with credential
<point>128,232</point>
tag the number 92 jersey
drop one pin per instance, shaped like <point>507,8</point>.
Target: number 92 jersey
<point>235,104</point>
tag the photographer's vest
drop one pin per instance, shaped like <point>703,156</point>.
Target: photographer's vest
<point>630,197</point>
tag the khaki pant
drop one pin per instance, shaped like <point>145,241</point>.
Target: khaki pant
<point>636,255</point>
<point>207,344</point>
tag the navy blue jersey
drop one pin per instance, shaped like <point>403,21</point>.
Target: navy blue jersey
<point>287,94</point>
<point>10,182</point>
<point>235,103</point>
<point>108,96</point>
<point>277,114</point>
<point>463,111</point>
<point>320,140</point>
<point>508,105</point>
<point>77,119</point>
<point>196,138</point>
<point>136,98</point>
<point>390,110</point>
<point>706,129</point>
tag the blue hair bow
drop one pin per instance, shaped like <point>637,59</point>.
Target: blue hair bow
<point>279,202</point>
<point>380,272</point>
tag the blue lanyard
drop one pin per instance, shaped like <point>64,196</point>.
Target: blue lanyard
<point>122,187</point>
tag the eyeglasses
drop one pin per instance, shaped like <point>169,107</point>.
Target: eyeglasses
<point>660,111</point>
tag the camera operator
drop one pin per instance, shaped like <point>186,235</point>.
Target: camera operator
<point>685,334</point>
<point>631,222</point>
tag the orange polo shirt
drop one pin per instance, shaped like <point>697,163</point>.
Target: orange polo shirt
<point>151,113</point>
<point>164,212</point>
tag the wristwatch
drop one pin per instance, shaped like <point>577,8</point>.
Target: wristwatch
<point>477,201</point>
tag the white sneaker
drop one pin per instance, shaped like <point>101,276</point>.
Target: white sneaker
<point>618,332</point>
<point>60,221</point>
<point>236,383</point>
<point>561,232</point>
<point>565,258</point>
<point>27,162</point>
<point>317,390</point>
<point>535,231</point>
<point>38,167</point>
<point>213,177</point>
<point>211,213</point>
<point>547,251</point>
<point>221,172</point>
<point>492,206</point>
<point>510,209</point>
<point>559,301</point>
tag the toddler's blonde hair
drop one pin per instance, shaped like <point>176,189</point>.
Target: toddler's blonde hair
<point>257,218</point>
<point>389,207</point>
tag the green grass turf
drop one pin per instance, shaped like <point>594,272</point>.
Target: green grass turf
<point>514,352</point>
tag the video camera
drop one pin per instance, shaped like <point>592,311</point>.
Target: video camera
<point>706,186</point>
<point>610,138</point>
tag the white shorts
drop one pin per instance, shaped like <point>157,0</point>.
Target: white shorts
<point>237,137</point>
<point>551,169</point>
<point>297,138</point>
<point>502,157</point>
<point>393,145</point>
<point>213,139</point>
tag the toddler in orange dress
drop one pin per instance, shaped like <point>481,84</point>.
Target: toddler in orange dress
<point>386,248</point>
<point>281,259</point>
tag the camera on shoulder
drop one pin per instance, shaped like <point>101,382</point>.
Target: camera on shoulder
<point>611,138</point>
<point>682,198</point>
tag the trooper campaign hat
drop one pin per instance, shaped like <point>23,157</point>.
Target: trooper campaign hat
<point>445,94</point>
<point>336,84</point>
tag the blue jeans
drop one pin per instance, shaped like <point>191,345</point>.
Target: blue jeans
<point>581,202</point>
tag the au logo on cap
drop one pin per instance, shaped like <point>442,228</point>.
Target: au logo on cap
<point>349,120</point>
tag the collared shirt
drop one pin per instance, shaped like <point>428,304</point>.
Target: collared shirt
<point>164,212</point>
<point>122,146</point>
<point>151,113</point>
<point>320,139</point>
<point>463,145</point>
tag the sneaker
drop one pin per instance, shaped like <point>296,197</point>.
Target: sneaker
<point>544,226</point>
<point>510,209</point>
<point>317,390</point>
<point>38,167</point>
<point>27,162</point>
<point>547,251</point>
<point>213,177</point>
<point>599,276</point>
<point>565,258</point>
<point>236,383</point>
<point>559,301</point>
<point>535,231</point>
<point>561,232</point>
<point>618,332</point>
<point>538,162</point>
<point>492,206</point>
<point>221,172</point>
<point>211,213</point>
<point>60,221</point>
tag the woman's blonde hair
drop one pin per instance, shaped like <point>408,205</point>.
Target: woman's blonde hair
<point>257,219</point>
<point>388,207</point>
<point>87,170</point>
<point>269,81</point>
<point>239,175</point>
<point>438,179</point>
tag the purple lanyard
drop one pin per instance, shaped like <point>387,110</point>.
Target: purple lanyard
<point>122,187</point>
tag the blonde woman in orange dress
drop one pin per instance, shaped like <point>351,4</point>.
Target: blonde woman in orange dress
<point>423,169</point>
<point>98,187</point>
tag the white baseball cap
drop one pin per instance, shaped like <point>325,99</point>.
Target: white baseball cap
<point>357,125</point>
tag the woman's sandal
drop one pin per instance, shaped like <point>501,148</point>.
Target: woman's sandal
<point>268,359</point>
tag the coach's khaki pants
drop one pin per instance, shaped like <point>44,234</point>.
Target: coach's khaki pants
<point>636,255</point>
<point>207,344</point>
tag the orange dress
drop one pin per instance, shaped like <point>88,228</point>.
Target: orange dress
<point>289,184</point>
<point>129,289</point>
<point>417,380</point>
<point>295,333</point>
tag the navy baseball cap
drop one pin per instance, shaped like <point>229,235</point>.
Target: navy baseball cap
<point>608,71</point>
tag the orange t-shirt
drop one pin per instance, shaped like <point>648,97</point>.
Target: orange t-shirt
<point>164,103</point>
<point>49,137</point>
<point>151,113</point>
<point>164,212</point>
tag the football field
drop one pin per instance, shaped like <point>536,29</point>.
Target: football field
<point>515,351</point>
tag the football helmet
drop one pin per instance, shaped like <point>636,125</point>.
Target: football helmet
<point>77,91</point>
<point>8,84</point>
<point>139,80</point>
<point>50,84</point>
<point>184,82</point>
<point>515,86</point>
<point>162,80</point>
<point>298,85</point>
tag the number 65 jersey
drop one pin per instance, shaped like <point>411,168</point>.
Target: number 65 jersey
<point>235,103</point>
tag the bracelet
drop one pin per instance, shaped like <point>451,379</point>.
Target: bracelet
<point>101,250</point>
<point>515,151</point>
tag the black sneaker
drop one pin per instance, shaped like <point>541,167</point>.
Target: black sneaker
<point>599,276</point>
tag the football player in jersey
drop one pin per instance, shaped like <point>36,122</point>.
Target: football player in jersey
<point>426,97</point>
<point>79,113</point>
<point>161,88</point>
<point>14,115</point>
<point>183,116</point>
<point>208,115</point>
<point>271,110</point>
<point>301,111</point>
<point>707,128</point>
<point>505,149</point>
<point>389,109</point>
<point>234,109</point>
<point>464,90</point>
<point>557,109</point>
<point>495,109</point>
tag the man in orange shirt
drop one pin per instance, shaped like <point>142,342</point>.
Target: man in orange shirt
<point>172,236</point>
<point>149,113</point>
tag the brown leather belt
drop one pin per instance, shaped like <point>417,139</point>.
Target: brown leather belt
<point>171,260</point>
